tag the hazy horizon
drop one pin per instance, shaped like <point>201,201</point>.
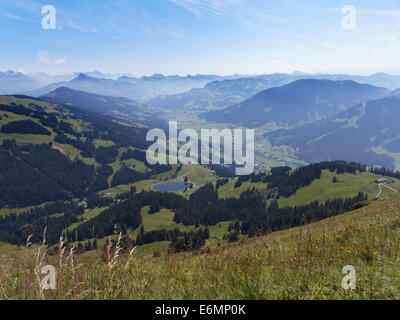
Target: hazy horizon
<point>232,74</point>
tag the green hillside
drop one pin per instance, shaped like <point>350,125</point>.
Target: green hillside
<point>321,189</point>
<point>300,263</point>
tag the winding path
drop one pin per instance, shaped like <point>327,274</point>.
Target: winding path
<point>393,189</point>
<point>381,190</point>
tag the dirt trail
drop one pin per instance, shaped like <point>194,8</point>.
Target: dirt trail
<point>380,185</point>
<point>389,187</point>
<point>380,191</point>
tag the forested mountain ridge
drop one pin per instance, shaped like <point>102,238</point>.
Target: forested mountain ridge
<point>299,102</point>
<point>368,132</point>
<point>52,152</point>
<point>118,107</point>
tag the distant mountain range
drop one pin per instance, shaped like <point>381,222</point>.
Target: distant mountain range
<point>231,92</point>
<point>12,82</point>
<point>172,91</point>
<point>122,108</point>
<point>139,89</point>
<point>368,133</point>
<point>215,94</point>
<point>301,101</point>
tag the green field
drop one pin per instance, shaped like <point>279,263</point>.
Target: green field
<point>7,117</point>
<point>229,190</point>
<point>348,186</point>
<point>322,189</point>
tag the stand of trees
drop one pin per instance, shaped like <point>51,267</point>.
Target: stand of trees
<point>16,229</point>
<point>221,182</point>
<point>101,180</point>
<point>223,171</point>
<point>134,154</point>
<point>17,109</point>
<point>121,217</point>
<point>97,201</point>
<point>385,172</point>
<point>86,148</point>
<point>285,218</point>
<point>204,207</point>
<point>34,174</point>
<point>158,235</point>
<point>233,236</point>
<point>190,241</point>
<point>287,183</point>
<point>106,155</point>
<point>24,127</point>
<point>126,175</point>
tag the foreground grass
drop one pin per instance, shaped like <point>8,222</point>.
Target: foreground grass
<point>301,263</point>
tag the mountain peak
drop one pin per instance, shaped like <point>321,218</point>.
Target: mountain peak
<point>298,73</point>
<point>125,78</point>
<point>379,74</point>
<point>155,76</point>
<point>83,77</point>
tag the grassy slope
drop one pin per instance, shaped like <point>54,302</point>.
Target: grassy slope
<point>322,189</point>
<point>348,186</point>
<point>301,263</point>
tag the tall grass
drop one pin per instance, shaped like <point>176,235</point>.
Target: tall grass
<point>301,263</point>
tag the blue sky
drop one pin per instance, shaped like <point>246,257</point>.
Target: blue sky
<point>200,36</point>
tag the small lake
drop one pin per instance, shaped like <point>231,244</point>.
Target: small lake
<point>171,186</point>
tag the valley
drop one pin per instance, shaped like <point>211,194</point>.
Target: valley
<point>85,177</point>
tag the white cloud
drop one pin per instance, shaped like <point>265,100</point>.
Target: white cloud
<point>220,7</point>
<point>10,15</point>
<point>42,57</point>
<point>61,61</point>
<point>386,13</point>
